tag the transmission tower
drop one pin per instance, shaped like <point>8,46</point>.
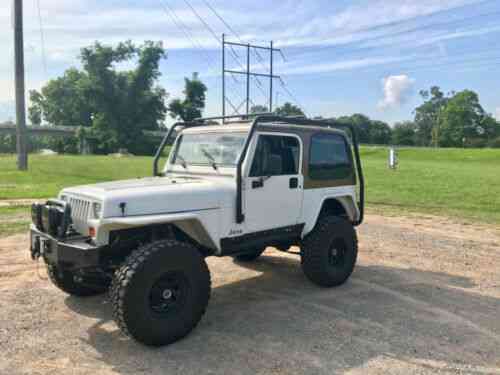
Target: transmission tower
<point>248,72</point>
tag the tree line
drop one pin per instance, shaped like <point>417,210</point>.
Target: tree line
<point>456,119</point>
<point>113,106</point>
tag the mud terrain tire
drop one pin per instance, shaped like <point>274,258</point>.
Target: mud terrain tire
<point>329,252</point>
<point>161,292</point>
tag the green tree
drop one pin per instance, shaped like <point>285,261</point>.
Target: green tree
<point>125,102</point>
<point>404,133</point>
<point>362,125</point>
<point>193,104</point>
<point>258,109</point>
<point>380,133</point>
<point>116,105</point>
<point>491,130</point>
<point>427,115</point>
<point>289,109</point>
<point>62,101</point>
<point>463,122</point>
<point>35,109</point>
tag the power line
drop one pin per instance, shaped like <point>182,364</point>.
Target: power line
<point>230,28</point>
<point>233,53</point>
<point>194,42</point>
<point>235,33</point>
<point>444,61</point>
<point>456,67</point>
<point>179,24</point>
<point>474,62</point>
<point>216,37</point>
<point>222,19</point>
<point>284,86</point>
<point>42,39</point>
<point>207,26</point>
<point>433,65</point>
<point>409,31</point>
<point>404,21</point>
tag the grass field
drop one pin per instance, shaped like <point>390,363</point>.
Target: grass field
<point>451,182</point>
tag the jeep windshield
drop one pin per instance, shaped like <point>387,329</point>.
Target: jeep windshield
<point>209,149</point>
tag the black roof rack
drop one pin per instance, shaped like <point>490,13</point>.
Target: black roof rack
<point>223,118</point>
<point>270,118</point>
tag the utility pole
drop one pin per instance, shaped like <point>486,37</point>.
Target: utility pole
<point>223,76</point>
<point>22,154</point>
<point>271,80</point>
<point>248,79</point>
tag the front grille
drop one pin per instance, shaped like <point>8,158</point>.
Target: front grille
<point>79,214</point>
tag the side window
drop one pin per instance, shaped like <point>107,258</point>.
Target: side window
<point>276,156</point>
<point>329,157</point>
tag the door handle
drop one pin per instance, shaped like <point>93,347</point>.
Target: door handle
<point>294,183</point>
<point>257,184</point>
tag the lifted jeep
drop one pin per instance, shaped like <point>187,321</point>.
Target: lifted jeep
<point>229,189</point>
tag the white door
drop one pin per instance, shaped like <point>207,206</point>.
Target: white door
<point>273,185</point>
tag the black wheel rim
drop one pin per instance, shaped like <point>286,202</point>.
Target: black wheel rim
<point>169,293</point>
<point>337,253</point>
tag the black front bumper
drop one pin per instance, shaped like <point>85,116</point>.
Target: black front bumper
<point>71,253</point>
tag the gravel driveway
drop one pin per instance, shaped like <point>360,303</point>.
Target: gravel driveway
<point>425,298</point>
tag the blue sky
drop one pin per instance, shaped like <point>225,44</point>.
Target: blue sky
<point>342,57</point>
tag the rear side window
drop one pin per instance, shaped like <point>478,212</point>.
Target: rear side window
<point>330,158</point>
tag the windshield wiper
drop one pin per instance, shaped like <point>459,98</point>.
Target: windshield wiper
<point>182,160</point>
<point>210,157</point>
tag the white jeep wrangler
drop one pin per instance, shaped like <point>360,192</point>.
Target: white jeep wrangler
<point>229,189</point>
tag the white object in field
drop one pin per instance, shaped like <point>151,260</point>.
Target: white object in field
<point>47,152</point>
<point>393,158</point>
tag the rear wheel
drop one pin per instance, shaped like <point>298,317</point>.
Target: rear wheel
<point>329,252</point>
<point>161,292</point>
<point>65,280</point>
<point>251,255</point>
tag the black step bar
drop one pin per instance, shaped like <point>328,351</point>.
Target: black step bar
<point>270,118</point>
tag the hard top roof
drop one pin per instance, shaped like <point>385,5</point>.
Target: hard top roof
<point>244,126</point>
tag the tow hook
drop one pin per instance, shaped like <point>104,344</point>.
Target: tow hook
<point>36,249</point>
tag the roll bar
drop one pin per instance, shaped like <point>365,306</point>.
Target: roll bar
<point>270,118</point>
<point>165,140</point>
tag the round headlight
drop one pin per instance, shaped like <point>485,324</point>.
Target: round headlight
<point>97,210</point>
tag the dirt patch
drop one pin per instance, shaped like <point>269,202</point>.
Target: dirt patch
<point>18,202</point>
<point>425,298</point>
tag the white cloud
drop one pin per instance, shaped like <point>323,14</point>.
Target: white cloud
<point>497,114</point>
<point>396,91</point>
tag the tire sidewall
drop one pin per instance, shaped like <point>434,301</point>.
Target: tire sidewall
<point>316,248</point>
<point>159,259</point>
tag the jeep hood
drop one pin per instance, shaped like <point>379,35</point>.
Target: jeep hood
<point>155,195</point>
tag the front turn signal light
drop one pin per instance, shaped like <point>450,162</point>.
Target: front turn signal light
<point>92,232</point>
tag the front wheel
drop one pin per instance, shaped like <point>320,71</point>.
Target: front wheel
<point>329,252</point>
<point>161,292</point>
